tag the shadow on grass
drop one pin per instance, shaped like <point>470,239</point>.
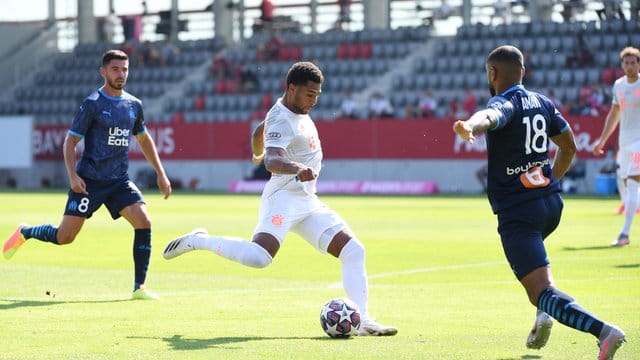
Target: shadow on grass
<point>524,357</point>
<point>14,304</point>
<point>177,342</point>
<point>600,247</point>
<point>628,266</point>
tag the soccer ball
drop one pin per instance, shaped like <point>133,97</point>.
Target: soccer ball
<point>340,318</point>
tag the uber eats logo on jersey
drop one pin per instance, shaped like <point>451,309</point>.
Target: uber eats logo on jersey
<point>118,137</point>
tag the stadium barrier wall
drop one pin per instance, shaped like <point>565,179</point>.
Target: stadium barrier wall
<point>213,155</point>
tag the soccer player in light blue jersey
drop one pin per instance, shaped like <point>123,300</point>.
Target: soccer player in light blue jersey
<point>106,120</point>
<point>524,191</point>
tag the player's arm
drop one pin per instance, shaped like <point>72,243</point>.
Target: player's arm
<point>257,144</point>
<point>564,156</point>
<point>478,123</point>
<point>613,117</point>
<point>275,161</point>
<point>150,152</point>
<point>69,152</point>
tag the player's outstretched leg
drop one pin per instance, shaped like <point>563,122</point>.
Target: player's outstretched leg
<point>611,339</point>
<point>622,240</point>
<point>369,327</point>
<point>13,242</point>
<point>182,244</point>
<point>541,331</point>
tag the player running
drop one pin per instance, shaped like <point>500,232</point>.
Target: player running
<point>106,120</point>
<point>625,110</point>
<point>524,191</point>
<point>288,142</point>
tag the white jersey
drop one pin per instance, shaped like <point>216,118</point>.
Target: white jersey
<point>298,136</point>
<point>627,96</point>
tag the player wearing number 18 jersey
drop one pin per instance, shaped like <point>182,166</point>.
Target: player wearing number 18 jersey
<point>523,190</point>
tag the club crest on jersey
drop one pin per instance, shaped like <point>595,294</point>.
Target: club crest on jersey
<point>118,137</point>
<point>277,220</point>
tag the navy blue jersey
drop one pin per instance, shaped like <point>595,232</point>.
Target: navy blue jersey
<point>519,167</point>
<point>106,123</point>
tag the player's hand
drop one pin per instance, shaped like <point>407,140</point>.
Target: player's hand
<point>164,185</point>
<point>464,131</point>
<point>78,185</point>
<point>598,148</point>
<point>306,174</point>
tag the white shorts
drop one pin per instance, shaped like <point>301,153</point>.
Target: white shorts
<point>302,213</point>
<point>629,160</point>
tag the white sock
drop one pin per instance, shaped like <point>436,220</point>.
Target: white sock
<point>630,205</point>
<point>233,248</point>
<point>354,275</point>
<point>622,188</point>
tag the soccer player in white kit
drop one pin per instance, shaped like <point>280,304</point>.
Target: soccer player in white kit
<point>287,141</point>
<point>625,110</point>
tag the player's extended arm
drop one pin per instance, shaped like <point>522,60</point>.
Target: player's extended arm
<point>609,126</point>
<point>69,152</point>
<point>564,156</point>
<point>150,152</point>
<point>257,144</point>
<point>478,123</point>
<point>276,162</point>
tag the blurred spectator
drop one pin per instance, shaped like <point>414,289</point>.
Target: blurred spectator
<point>348,107</point>
<point>168,52</point>
<point>609,164</point>
<point>442,12</point>
<point>582,55</point>
<point>150,55</point>
<point>132,27</point>
<point>425,108</point>
<point>611,9</point>
<point>379,106</point>
<point>266,14</point>
<point>220,67</point>
<point>109,26</point>
<point>469,103</point>
<point>344,16</point>
<point>530,69</point>
<point>269,50</point>
<point>501,11</point>
<point>135,55</point>
<point>571,8</point>
<point>249,81</point>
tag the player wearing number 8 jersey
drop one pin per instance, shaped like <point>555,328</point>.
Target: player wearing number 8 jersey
<point>106,120</point>
<point>523,189</point>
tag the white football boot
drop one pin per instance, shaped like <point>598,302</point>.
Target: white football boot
<point>371,328</point>
<point>182,244</point>
<point>541,331</point>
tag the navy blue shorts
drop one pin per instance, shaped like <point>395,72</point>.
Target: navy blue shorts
<point>523,229</point>
<point>115,195</point>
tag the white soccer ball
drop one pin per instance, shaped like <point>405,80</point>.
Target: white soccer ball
<point>340,318</point>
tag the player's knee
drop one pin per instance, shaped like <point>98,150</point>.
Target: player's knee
<point>256,256</point>
<point>352,251</point>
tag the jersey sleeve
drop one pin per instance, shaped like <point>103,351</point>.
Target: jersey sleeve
<point>139,127</point>
<point>558,123</point>
<point>83,118</point>
<point>277,133</point>
<point>504,109</point>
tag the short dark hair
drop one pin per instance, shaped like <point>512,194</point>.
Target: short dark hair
<point>302,72</point>
<point>113,54</point>
<point>506,54</point>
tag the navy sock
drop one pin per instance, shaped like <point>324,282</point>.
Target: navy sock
<point>141,255</point>
<point>563,308</point>
<point>45,232</point>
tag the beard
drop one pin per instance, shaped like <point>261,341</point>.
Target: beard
<point>114,85</point>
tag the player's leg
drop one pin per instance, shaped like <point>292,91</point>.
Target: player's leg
<point>325,230</point>
<point>78,208</point>
<point>629,165</point>
<point>275,220</point>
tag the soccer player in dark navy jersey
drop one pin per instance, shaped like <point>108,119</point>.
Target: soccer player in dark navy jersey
<point>106,120</point>
<point>524,192</point>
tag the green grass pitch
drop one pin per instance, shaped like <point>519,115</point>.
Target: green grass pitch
<point>435,265</point>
